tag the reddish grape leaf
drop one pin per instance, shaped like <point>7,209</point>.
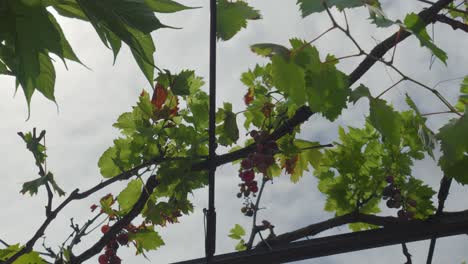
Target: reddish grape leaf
<point>159,96</point>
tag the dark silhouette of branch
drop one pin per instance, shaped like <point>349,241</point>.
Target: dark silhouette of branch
<point>445,184</point>
<point>406,253</point>
<point>255,228</point>
<point>317,228</point>
<point>447,224</point>
<point>448,7</point>
<point>148,189</point>
<point>455,24</point>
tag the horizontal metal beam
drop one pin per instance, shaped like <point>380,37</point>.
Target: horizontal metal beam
<point>447,225</point>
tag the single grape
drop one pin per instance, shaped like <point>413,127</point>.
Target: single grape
<point>390,179</point>
<point>402,214</point>
<point>103,259</point>
<point>105,229</point>
<point>246,164</point>
<point>391,203</point>
<point>123,239</point>
<point>239,195</point>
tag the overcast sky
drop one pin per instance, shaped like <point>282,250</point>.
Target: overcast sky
<point>90,101</point>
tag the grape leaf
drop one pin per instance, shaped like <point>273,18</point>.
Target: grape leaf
<point>454,145</point>
<point>241,245</point>
<point>232,17</point>
<point>327,88</point>
<point>289,78</point>
<point>146,239</point>
<point>237,232</point>
<point>308,7</point>
<point>33,186</point>
<point>181,83</point>
<point>385,120</point>
<point>228,131</point>
<point>416,26</point>
<point>358,93</point>
<point>270,49</point>
<point>128,197</point>
<point>106,163</point>
<point>463,99</point>
<point>377,15</point>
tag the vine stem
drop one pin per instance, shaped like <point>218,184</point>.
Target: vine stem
<point>255,229</point>
<point>389,88</point>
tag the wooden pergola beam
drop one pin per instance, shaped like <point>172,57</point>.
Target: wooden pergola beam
<point>446,225</point>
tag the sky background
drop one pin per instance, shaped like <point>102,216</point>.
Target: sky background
<point>91,100</point>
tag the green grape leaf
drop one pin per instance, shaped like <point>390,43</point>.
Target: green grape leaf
<point>28,258</point>
<point>146,240</point>
<point>237,232</point>
<point>289,78</point>
<point>228,131</point>
<point>33,144</point>
<point>378,17</point>
<point>308,7</point>
<point>181,82</point>
<point>106,204</point>
<point>422,194</point>
<point>426,137</point>
<point>463,99</point>
<point>358,93</point>
<point>327,88</point>
<point>454,145</point>
<point>241,245</point>
<point>129,196</point>
<point>106,163</point>
<point>270,49</point>
<point>166,6</point>
<point>416,26</point>
<point>232,17</point>
<point>198,105</point>
<point>385,120</point>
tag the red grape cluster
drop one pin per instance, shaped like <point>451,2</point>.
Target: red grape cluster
<point>396,200</point>
<point>110,251</point>
<point>261,160</point>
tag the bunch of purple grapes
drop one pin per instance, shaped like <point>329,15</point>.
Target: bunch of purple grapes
<point>396,200</point>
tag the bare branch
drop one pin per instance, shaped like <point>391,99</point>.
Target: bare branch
<point>406,253</point>
<point>455,24</point>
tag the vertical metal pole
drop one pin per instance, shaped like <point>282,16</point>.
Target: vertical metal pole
<point>210,240</point>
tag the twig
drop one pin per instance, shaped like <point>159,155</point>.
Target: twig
<point>444,189</point>
<point>4,243</point>
<point>255,228</point>
<point>389,88</point>
<point>441,112</point>
<point>448,7</point>
<point>455,24</point>
<point>151,183</point>
<point>406,253</point>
